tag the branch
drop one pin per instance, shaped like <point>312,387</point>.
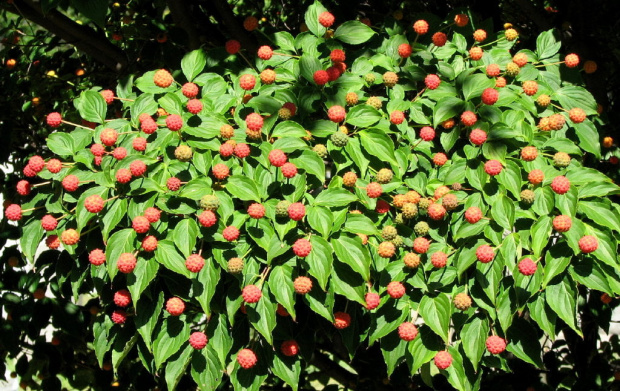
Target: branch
<point>82,37</point>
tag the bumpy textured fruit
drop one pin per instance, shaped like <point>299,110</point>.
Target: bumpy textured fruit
<point>473,214</point>
<point>480,35</point>
<point>123,175</point>
<point>173,184</point>
<point>70,237</point>
<point>246,358</point>
<point>439,259</point>
<point>198,340</point>
<point>485,253</point>
<point>289,170</point>
<point>94,203</point>
<point>282,208</point>
<point>529,153</point>
<point>190,90</point>
<point>49,223</point>
<point>450,201</point>
<point>588,244</point>
<point>122,298</point>
<point>141,224</point>
<point>560,185</point>
<point>174,122</point>
<point>527,196</point>
<point>336,113</point>
<point>396,289</point>
<point>372,300</point>
<point>284,114</point>
<point>411,260</point>
<point>462,301</point>
<point>374,190</point>
<point>475,53</point>
<point>443,359</point>
<point>520,59</point>
<point>194,106</point>
<point>254,121</point>
<point>390,79</point>
<point>543,100</point>
<point>425,203</point>
<point>326,19</point>
<point>54,119</point>
<point>511,34</point>
<point>247,82</point>
<point>493,167</point>
<point>490,96</point>
<point>536,176</point>
<point>495,344</point>
<point>23,187</point>
<point>421,228</point>
<point>264,52</point>
<point>512,69</point>
<point>410,210</point>
<point>296,211</point>
<point>235,265</point>
<point>397,117</point>
<point>162,78</point>
<point>420,27</point>
<point>440,192</point>
<point>13,212</point>
<point>149,243</point>
<point>96,257</point>
<point>251,294</point>
<point>256,210</point>
<point>439,39</point>
<point>54,166</point>
<point>386,249</point>
<point>52,242</point>
<point>577,115</point>
<point>339,139</point>
<point>70,183</point>
<point>478,136</point>
<point>321,77</point>
<point>492,70</point>
<point>527,267</point>
<point>139,144</point>
<point>126,263</point>
<point>351,98</point>
<point>320,150</point>
<point>302,285</point>
<point>148,126</point>
<point>221,171</point>
<point>119,316</point>
<point>36,163</point>
<point>194,263</point>
<point>349,179</point>
<point>369,78</point>
<point>404,50</point>
<point>440,158</point>
<point>427,133</point>
<point>461,20</point>
<point>137,168</point>
<point>227,131</point>
<point>571,60</point>
<point>183,153</point>
<point>277,158</point>
<point>561,159</point>
<point>407,331</point>
<point>530,87</point>
<point>342,320</point>
<point>384,175</point>
<point>302,247</point>
<point>152,214</point>
<point>175,306</point>
<point>436,211</point>
<point>468,118</point>
<point>290,348</point>
<point>230,233</point>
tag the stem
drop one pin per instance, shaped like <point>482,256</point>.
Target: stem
<point>76,125</point>
<point>124,99</point>
<point>41,184</point>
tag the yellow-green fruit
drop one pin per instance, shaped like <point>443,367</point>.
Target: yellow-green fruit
<point>227,131</point>
<point>384,175</point>
<point>209,202</point>
<point>543,100</point>
<point>285,113</point>
<point>462,301</point>
<point>399,219</point>
<point>375,102</point>
<point>512,69</point>
<point>235,265</point>
<point>183,153</point>
<point>351,98</point>
<point>390,79</point>
<point>421,228</point>
<point>424,203</point>
<point>389,232</point>
<point>527,196</point>
<point>339,139</point>
<point>410,210</point>
<point>282,208</point>
<point>398,241</point>
<point>369,78</point>
<point>320,150</point>
<point>561,159</point>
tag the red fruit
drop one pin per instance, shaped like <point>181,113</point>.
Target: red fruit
<point>175,306</point>
<point>174,122</point>
<point>461,20</point>
<point>396,289</point>
<point>265,52</point>
<point>560,184</point>
<point>23,187</point>
<point>162,78</point>
<point>97,149</point>
<point>333,73</point>
<point>404,50</point>
<point>337,55</point>
<point>397,117</point>
<point>439,259</point>
<point>382,207</point>
<point>194,263</point>
<point>443,359</point>
<point>207,218</point>
<point>108,95</point>
<point>108,136</point>
<point>588,244</point>
<point>148,126</point>
<point>296,211</point>
<point>126,263</point>
<point>13,212</point>
<point>242,150</point>
<point>251,294</point>
<point>500,82</point>
<point>326,19</point>
<point>122,298</point>
<point>70,183</point>
<point>530,87</point>
<point>485,253</point>
<point>302,285</point>
<point>493,70</point>
<point>336,114</point>
<point>432,81</point>
<point>475,53</point>
<point>571,60</point>
<point>94,203</point>
<point>490,96</point>
<point>473,214</point>
<point>468,118</point>
<point>190,90</point>
<point>480,35</point>
<point>302,247</point>
<point>277,158</point>
<point>374,190</point>
<point>173,184</point>
<point>342,320</point>
<point>96,257</point>
<point>527,267</point>
<point>221,171</point>
<point>321,77</point>
<point>440,158</point>
<point>137,168</point>
<point>495,344</point>
<point>152,214</point>
<point>194,106</point>
<point>254,122</point>
<point>119,316</point>
<point>230,233</point>
<point>149,243</point>
<point>52,242</point>
<point>421,245</point>
<point>420,27</point>
<point>119,153</point>
<point>291,106</point>
<point>478,136</point>
<point>256,211</point>
<point>246,358</point>
<point>289,348</point>
<point>141,224</point>
<point>123,175</point>
<point>54,119</point>
<point>281,311</point>
<point>247,82</point>
<point>54,166</point>
<point>407,331</point>
<point>493,167</point>
<point>226,149</point>
<point>289,170</point>
<point>577,115</point>
<point>436,211</point>
<point>562,223</point>
<point>198,340</point>
<point>529,153</point>
<point>427,133</point>
<point>36,163</point>
<point>232,46</point>
<point>536,176</point>
<point>439,39</point>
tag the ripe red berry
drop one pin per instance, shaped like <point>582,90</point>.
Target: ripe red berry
<point>190,90</point>
<point>397,117</point>
<point>126,263</point>
<point>108,136</point>
<point>122,298</point>
<point>13,212</point>
<point>207,218</point>
<point>175,306</point>
<point>577,115</point>
<point>162,78</point>
<point>254,122</point>
<point>530,87</point>
<point>342,320</point>
<point>527,267</point>
<point>439,259</point>
<point>560,184</point>
<point>194,263</point>
<point>443,359</point>
<point>493,167</point>
<point>439,39</point>
<point>152,214</point>
<point>475,53</point>
<point>174,122</point>
<point>396,289</point>
<point>336,114</point>
<point>232,46</point>
<point>242,150</point>
<point>562,223</point>
<point>571,60</point>
<point>96,257</point>
<point>251,294</point>
<point>230,233</point>
<point>246,358</point>
<point>149,243</point>
<point>302,247</point>
<point>302,285</point>
<point>529,153</point>
<point>536,176</point>
<point>123,175</point>
<point>54,119</point>
<point>226,149</point>
<point>440,158</point>
<point>289,348</point>
<point>436,211</point>
<point>119,316</point>
<point>148,126</point>
<point>173,184</point>
<point>372,300</point>
<point>265,52</point>
<point>404,50</point>
<point>473,214</point>
<point>108,95</point>
<point>36,163</point>
<point>427,133</point>
<point>52,242</point>
<point>478,136</point>
<point>247,82</point>
<point>277,158</point>
<point>54,166</point>
<point>289,170</point>
<point>194,106</point>
<point>432,81</point>
<point>94,203</point>
<point>374,190</point>
<point>256,211</point>
<point>495,344</point>
<point>70,183</point>
<point>407,331</point>
<point>221,171</point>
<point>588,244</point>
<point>337,55</point>
<point>420,27</point>
<point>198,340</point>
<point>296,211</point>
<point>468,118</point>
<point>326,19</point>
<point>421,245</point>
<point>490,96</point>
<point>480,35</point>
<point>493,70</point>
<point>485,253</point>
<point>23,187</point>
<point>382,207</point>
<point>141,224</point>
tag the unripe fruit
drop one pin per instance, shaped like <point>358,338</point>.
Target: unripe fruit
<point>149,243</point>
<point>194,263</point>
<point>410,210</point>
<point>384,175</point>
<point>126,263</point>
<point>485,253</point>
<point>527,196</point>
<point>162,78</point>
<point>396,289</point>
<point>439,39</point>
<point>351,98</point>
<point>530,87</point>
<point>284,114</point>
<point>443,359</point>
<point>70,237</point>
<point>511,34</point>
<point>386,249</point>
<point>420,27</point>
<point>407,331</point>
<point>246,358</point>
<point>527,267</point>
<point>175,306</point>
<point>543,100</point>
<point>369,78</point>
<point>339,139</point>
<point>462,301</point>
<point>473,214</point>
<point>183,153</point>
<point>96,257</point>
<point>349,179</point>
<point>372,300</point>
<point>302,285</point>
<point>375,102</point>
<point>251,294</point>
<point>227,131</point>
<point>536,176</point>
<point>282,208</point>
<point>560,185</point>
<point>495,344</point>
<point>390,79</point>
<point>122,298</point>
<point>320,150</point>
<point>374,190</point>
<point>411,260</point>
<point>389,232</point>
<point>561,159</point>
<point>588,244</point>
<point>577,115</point>
<point>198,340</point>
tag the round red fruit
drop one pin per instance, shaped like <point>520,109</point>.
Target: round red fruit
<point>302,247</point>
<point>560,185</point>
<point>54,119</point>
<point>96,257</point>
<point>246,358</point>
<point>493,167</point>
<point>495,344</point>
<point>588,244</point>
<point>478,136</point>
<point>289,348</point>
<point>336,114</point>
<point>230,233</point>
<point>490,96</point>
<point>326,19</point>
<point>485,253</point>
<point>126,263</point>
<point>296,211</point>
<point>194,263</point>
<point>302,285</point>
<point>251,294</point>
<point>122,298</point>
<point>527,267</point>
<point>396,289</point>
<point>70,183</point>
<point>198,340</point>
<point>175,306</point>
<point>432,81</point>
<point>342,320</point>
<point>407,331</point>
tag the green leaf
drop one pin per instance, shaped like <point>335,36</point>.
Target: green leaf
<point>363,116</point>
<point>141,277</point>
<point>335,197</point>
<point>561,297</point>
<point>378,144</point>
<point>510,178</point>
<point>353,253</point>
<point>31,236</point>
<point>358,223</point>
<point>320,260</point>
<point>546,45</point>
<point>312,19</point>
<point>193,63</point>
<point>321,220</point>
<point>175,369</point>
<point>541,232</point>
<point>167,255</point>
<point>523,344</point>
<point>308,64</point>
<point>60,143</point>
<point>280,283</point>
<point>571,97</point>
<point>144,104</point>
<point>184,235</point>
<point>588,138</point>
<point>503,212</point>
<point>600,213</point>
<point>206,368</point>
<point>436,313</point>
<point>92,107</point>
<point>387,319</point>
<point>171,103</point>
<point>120,242</point>
<point>147,315</point>
<point>203,287</point>
<point>114,213</point>
<point>393,349</point>
<point>543,315</point>
<point>446,108</point>
<point>243,188</point>
<point>456,172</point>
<point>288,129</point>
<point>287,368</point>
<point>123,344</point>
<point>173,333</point>
<point>474,334</point>
<point>474,84</point>
<point>353,32</point>
<point>263,315</point>
<point>311,163</point>
<point>423,348</point>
